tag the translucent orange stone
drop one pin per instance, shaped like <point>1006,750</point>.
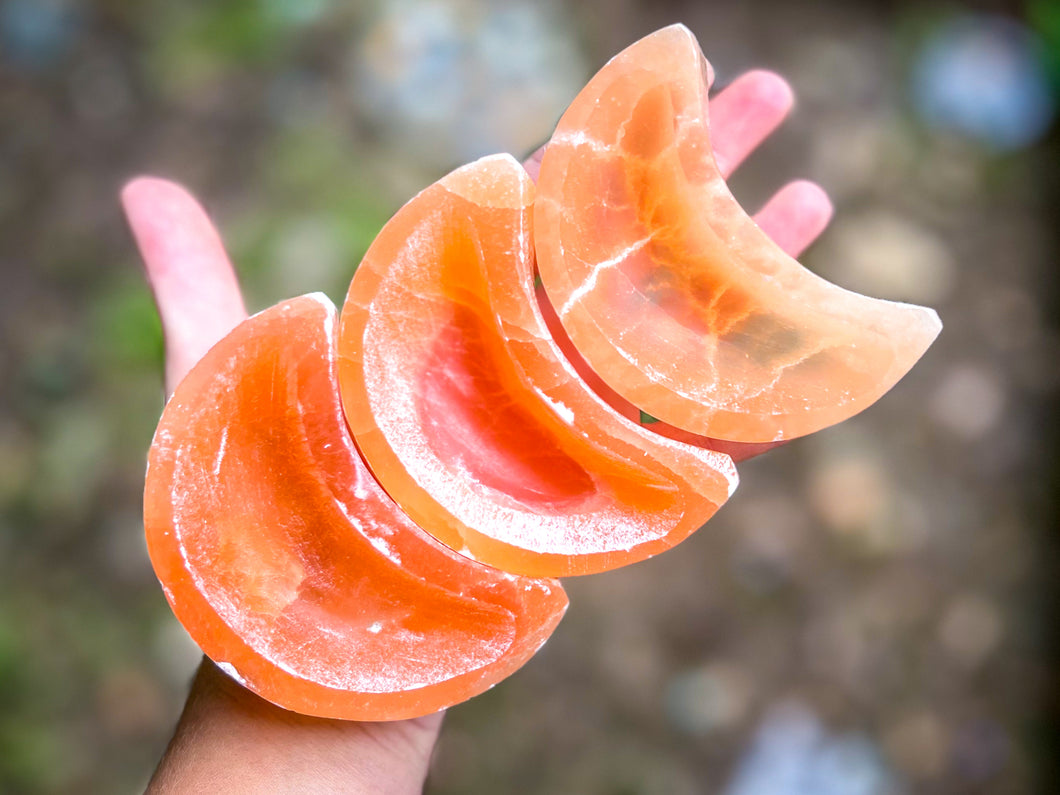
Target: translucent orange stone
<point>737,451</point>
<point>471,417</point>
<point>667,288</point>
<point>290,566</point>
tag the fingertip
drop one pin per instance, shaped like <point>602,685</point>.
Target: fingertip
<point>139,186</point>
<point>163,216</point>
<point>796,215</point>
<point>194,285</point>
<point>135,197</point>
<point>170,226</point>
<point>145,192</point>
<point>811,195</point>
<point>744,114</point>
<point>770,89</point>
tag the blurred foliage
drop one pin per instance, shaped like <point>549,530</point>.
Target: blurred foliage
<point>126,331</point>
<point>1044,18</point>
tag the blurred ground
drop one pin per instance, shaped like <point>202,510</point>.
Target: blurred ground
<point>874,610</point>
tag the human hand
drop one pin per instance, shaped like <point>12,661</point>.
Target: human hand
<point>228,739</point>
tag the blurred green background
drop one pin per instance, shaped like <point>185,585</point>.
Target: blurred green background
<point>874,612</point>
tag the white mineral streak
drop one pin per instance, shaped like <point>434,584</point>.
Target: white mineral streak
<point>579,138</point>
<point>349,515</point>
<point>220,452</point>
<point>163,441</point>
<point>727,469</point>
<point>524,235</point>
<point>178,500</point>
<point>780,370</point>
<point>359,491</point>
<point>384,547</point>
<point>565,412</point>
<point>590,282</point>
<point>653,373</point>
<point>232,672</point>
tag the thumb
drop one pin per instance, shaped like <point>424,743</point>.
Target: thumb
<point>194,285</point>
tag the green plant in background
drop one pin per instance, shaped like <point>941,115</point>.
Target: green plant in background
<point>126,329</point>
<point>194,42</point>
<point>1044,18</point>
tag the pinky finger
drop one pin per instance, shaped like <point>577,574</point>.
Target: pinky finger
<point>795,215</point>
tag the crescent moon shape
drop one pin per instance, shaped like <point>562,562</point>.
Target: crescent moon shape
<point>668,289</point>
<point>473,420</point>
<point>290,566</point>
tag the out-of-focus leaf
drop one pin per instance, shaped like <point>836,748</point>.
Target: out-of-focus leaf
<point>126,328</point>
